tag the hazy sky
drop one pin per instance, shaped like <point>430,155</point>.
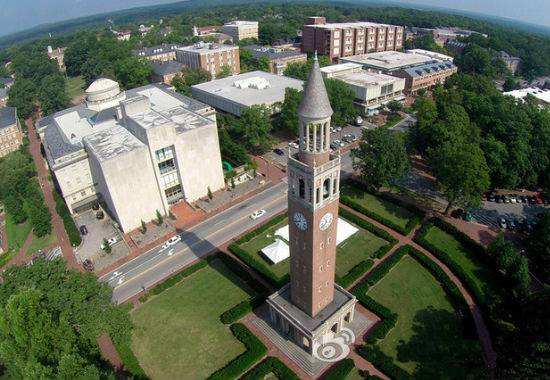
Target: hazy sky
<point>16,15</point>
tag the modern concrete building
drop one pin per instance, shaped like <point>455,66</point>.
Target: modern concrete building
<point>312,309</point>
<point>279,58</point>
<point>241,30</point>
<point>164,72</point>
<point>163,53</point>
<point>136,152</point>
<point>232,94</point>
<point>210,57</point>
<point>11,136</point>
<point>372,90</point>
<point>337,40</point>
<point>511,62</point>
<point>444,35</point>
<point>388,61</point>
<point>431,54</point>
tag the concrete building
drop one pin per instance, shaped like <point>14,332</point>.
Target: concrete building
<point>279,58</point>
<point>241,30</point>
<point>164,72</point>
<point>511,62</point>
<point>431,54</point>
<point>426,75</point>
<point>542,95</point>
<point>163,53</point>
<point>312,309</point>
<point>59,55</point>
<point>388,61</point>
<point>337,40</point>
<point>232,94</point>
<point>444,35</point>
<point>136,152</point>
<point>210,57</point>
<point>11,136</point>
<point>372,90</point>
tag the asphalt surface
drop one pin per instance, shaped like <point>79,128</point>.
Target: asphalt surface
<point>153,266</point>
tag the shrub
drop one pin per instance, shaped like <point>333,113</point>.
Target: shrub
<point>68,222</point>
<point>260,230</point>
<point>238,269</point>
<point>340,371</point>
<point>355,272</point>
<point>131,363</point>
<point>365,224</point>
<point>383,362</point>
<point>259,266</point>
<point>271,365</point>
<point>240,310</point>
<point>379,218</point>
<point>255,350</point>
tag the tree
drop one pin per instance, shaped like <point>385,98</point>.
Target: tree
<point>133,72</point>
<point>210,196</point>
<point>381,156</point>
<point>233,183</point>
<point>538,247</point>
<point>394,107</point>
<point>189,77</point>
<point>341,99</point>
<point>52,94</point>
<point>50,319</point>
<point>23,97</point>
<point>106,246</point>
<point>461,172</point>
<point>510,84</point>
<point>225,71</point>
<point>288,117</point>
<point>159,218</point>
<point>143,227</point>
<point>263,64</point>
<point>253,128</point>
<point>300,70</point>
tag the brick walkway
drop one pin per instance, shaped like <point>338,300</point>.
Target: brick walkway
<point>109,352</point>
<point>57,222</point>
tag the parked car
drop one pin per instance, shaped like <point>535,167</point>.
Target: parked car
<point>502,223</point>
<point>88,265</point>
<point>99,215</point>
<point>257,214</point>
<point>83,230</point>
<point>293,145</point>
<point>491,198</point>
<point>170,242</point>
<point>110,241</point>
<point>358,121</point>
<point>337,129</point>
<point>278,151</point>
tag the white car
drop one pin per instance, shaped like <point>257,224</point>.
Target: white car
<point>170,252</point>
<point>257,214</point>
<point>170,242</point>
<point>120,280</point>
<point>293,145</point>
<point>110,241</point>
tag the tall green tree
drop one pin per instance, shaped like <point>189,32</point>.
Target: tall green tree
<point>23,96</point>
<point>288,118</point>
<point>538,247</point>
<point>381,156</point>
<point>52,94</point>
<point>253,127</point>
<point>341,99</point>
<point>133,72</point>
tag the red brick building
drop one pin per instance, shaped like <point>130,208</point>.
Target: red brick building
<point>337,40</point>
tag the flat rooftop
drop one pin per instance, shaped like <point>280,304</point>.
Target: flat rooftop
<point>112,142</point>
<point>252,88</point>
<point>346,25</point>
<point>8,117</point>
<point>432,54</point>
<point>333,69</point>
<point>365,79</point>
<point>272,53</point>
<point>388,60</point>
<point>241,23</point>
<point>538,93</point>
<point>207,47</point>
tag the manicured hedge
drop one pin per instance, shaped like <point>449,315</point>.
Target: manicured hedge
<point>340,371</point>
<point>171,281</point>
<point>261,229</point>
<point>70,226</point>
<point>129,360</point>
<point>240,310</point>
<point>255,350</point>
<point>270,365</point>
<point>241,272</point>
<point>365,224</point>
<point>355,272</point>
<point>254,262</point>
<point>466,278</point>
<point>383,362</point>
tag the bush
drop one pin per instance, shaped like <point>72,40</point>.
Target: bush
<point>36,209</point>
<point>171,281</point>
<point>383,362</point>
<point>355,272</point>
<point>129,360</point>
<point>340,371</point>
<point>68,222</point>
<point>255,350</point>
<point>259,266</point>
<point>270,365</point>
<point>238,269</point>
<point>365,224</point>
<point>240,310</point>
<point>260,230</point>
<point>357,207</point>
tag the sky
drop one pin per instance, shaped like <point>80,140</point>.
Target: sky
<point>17,15</point>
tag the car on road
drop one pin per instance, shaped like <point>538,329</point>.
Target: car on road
<point>88,265</point>
<point>110,241</point>
<point>170,242</point>
<point>279,152</point>
<point>502,223</point>
<point>83,230</point>
<point>257,214</point>
<point>120,280</point>
<point>170,252</point>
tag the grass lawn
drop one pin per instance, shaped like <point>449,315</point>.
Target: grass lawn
<point>179,334</point>
<point>394,213</point>
<point>392,120</point>
<point>41,243</point>
<point>17,233</point>
<point>483,277</point>
<point>427,336</point>
<point>75,87</point>
<point>351,252</point>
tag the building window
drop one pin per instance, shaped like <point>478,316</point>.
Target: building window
<point>326,188</point>
<point>301,188</point>
<point>164,153</point>
<point>169,180</point>
<point>167,166</point>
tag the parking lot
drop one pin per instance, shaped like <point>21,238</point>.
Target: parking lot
<point>491,213</point>
<point>91,242</point>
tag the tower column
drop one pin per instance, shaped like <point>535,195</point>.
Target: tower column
<point>307,137</point>
<point>314,138</point>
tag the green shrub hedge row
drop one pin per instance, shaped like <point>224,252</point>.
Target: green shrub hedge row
<point>241,309</point>
<point>365,224</point>
<point>270,365</point>
<point>340,371</point>
<point>255,350</point>
<point>467,279</point>
<point>258,266</point>
<point>383,268</point>
<point>354,273</point>
<point>241,272</point>
<point>383,362</point>
<point>171,281</point>
<point>261,229</point>
<point>70,226</point>
<point>129,360</point>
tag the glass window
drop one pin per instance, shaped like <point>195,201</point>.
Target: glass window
<point>164,153</point>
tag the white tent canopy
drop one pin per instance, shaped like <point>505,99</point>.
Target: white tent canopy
<point>277,251</point>
<point>343,231</point>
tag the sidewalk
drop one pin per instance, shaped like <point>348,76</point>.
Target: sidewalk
<point>57,222</point>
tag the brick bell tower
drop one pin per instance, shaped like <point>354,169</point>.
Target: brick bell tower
<point>314,190</point>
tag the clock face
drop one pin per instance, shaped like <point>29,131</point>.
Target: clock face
<point>300,221</point>
<point>326,221</point>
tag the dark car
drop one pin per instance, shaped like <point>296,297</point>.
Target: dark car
<point>88,265</point>
<point>280,152</point>
<point>83,230</point>
<point>99,215</point>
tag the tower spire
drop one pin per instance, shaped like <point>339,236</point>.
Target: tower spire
<point>315,104</point>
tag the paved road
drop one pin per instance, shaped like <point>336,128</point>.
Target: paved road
<point>156,264</point>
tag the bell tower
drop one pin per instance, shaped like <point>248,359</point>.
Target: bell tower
<point>314,183</point>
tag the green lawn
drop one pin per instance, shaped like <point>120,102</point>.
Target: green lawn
<point>351,252</point>
<point>17,233</point>
<point>75,87</point>
<point>390,211</point>
<point>483,277</point>
<point>427,339</point>
<point>179,334</point>
<point>41,243</point>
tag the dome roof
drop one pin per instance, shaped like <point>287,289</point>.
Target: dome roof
<point>315,103</point>
<point>102,84</point>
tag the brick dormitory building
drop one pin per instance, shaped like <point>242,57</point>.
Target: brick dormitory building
<point>337,40</point>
